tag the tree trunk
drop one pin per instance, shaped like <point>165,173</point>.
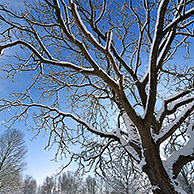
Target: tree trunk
<point>156,172</point>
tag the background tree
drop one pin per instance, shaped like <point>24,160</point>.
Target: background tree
<point>12,153</point>
<point>48,186</point>
<point>91,185</point>
<point>69,183</point>
<point>29,185</point>
<point>111,67</point>
<point>72,182</point>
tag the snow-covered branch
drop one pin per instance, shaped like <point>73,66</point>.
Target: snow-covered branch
<point>93,40</point>
<point>48,61</point>
<point>169,130</point>
<point>132,149</point>
<point>178,20</point>
<point>176,101</point>
<point>152,69</point>
<point>182,156</point>
<point>100,72</point>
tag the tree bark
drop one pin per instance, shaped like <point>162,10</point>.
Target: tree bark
<point>156,172</point>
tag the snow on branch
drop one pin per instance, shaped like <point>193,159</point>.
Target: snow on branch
<point>132,131</point>
<point>108,40</point>
<point>134,153</point>
<point>176,21</point>
<point>178,95</point>
<point>93,40</point>
<point>175,124</point>
<point>182,156</point>
<point>83,28</point>
<point>176,101</point>
<point>152,69</point>
<point>83,70</point>
<point>102,12</point>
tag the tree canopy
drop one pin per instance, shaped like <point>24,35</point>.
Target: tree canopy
<point>121,70</point>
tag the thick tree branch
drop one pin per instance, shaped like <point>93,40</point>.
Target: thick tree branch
<point>92,39</point>
<point>167,110</point>
<point>176,21</point>
<point>167,132</point>
<point>152,69</point>
<point>182,156</point>
<point>48,61</point>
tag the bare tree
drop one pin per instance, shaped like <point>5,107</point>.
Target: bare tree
<point>29,185</point>
<point>91,185</point>
<point>69,183</point>
<point>12,153</point>
<point>112,66</point>
<point>48,186</point>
